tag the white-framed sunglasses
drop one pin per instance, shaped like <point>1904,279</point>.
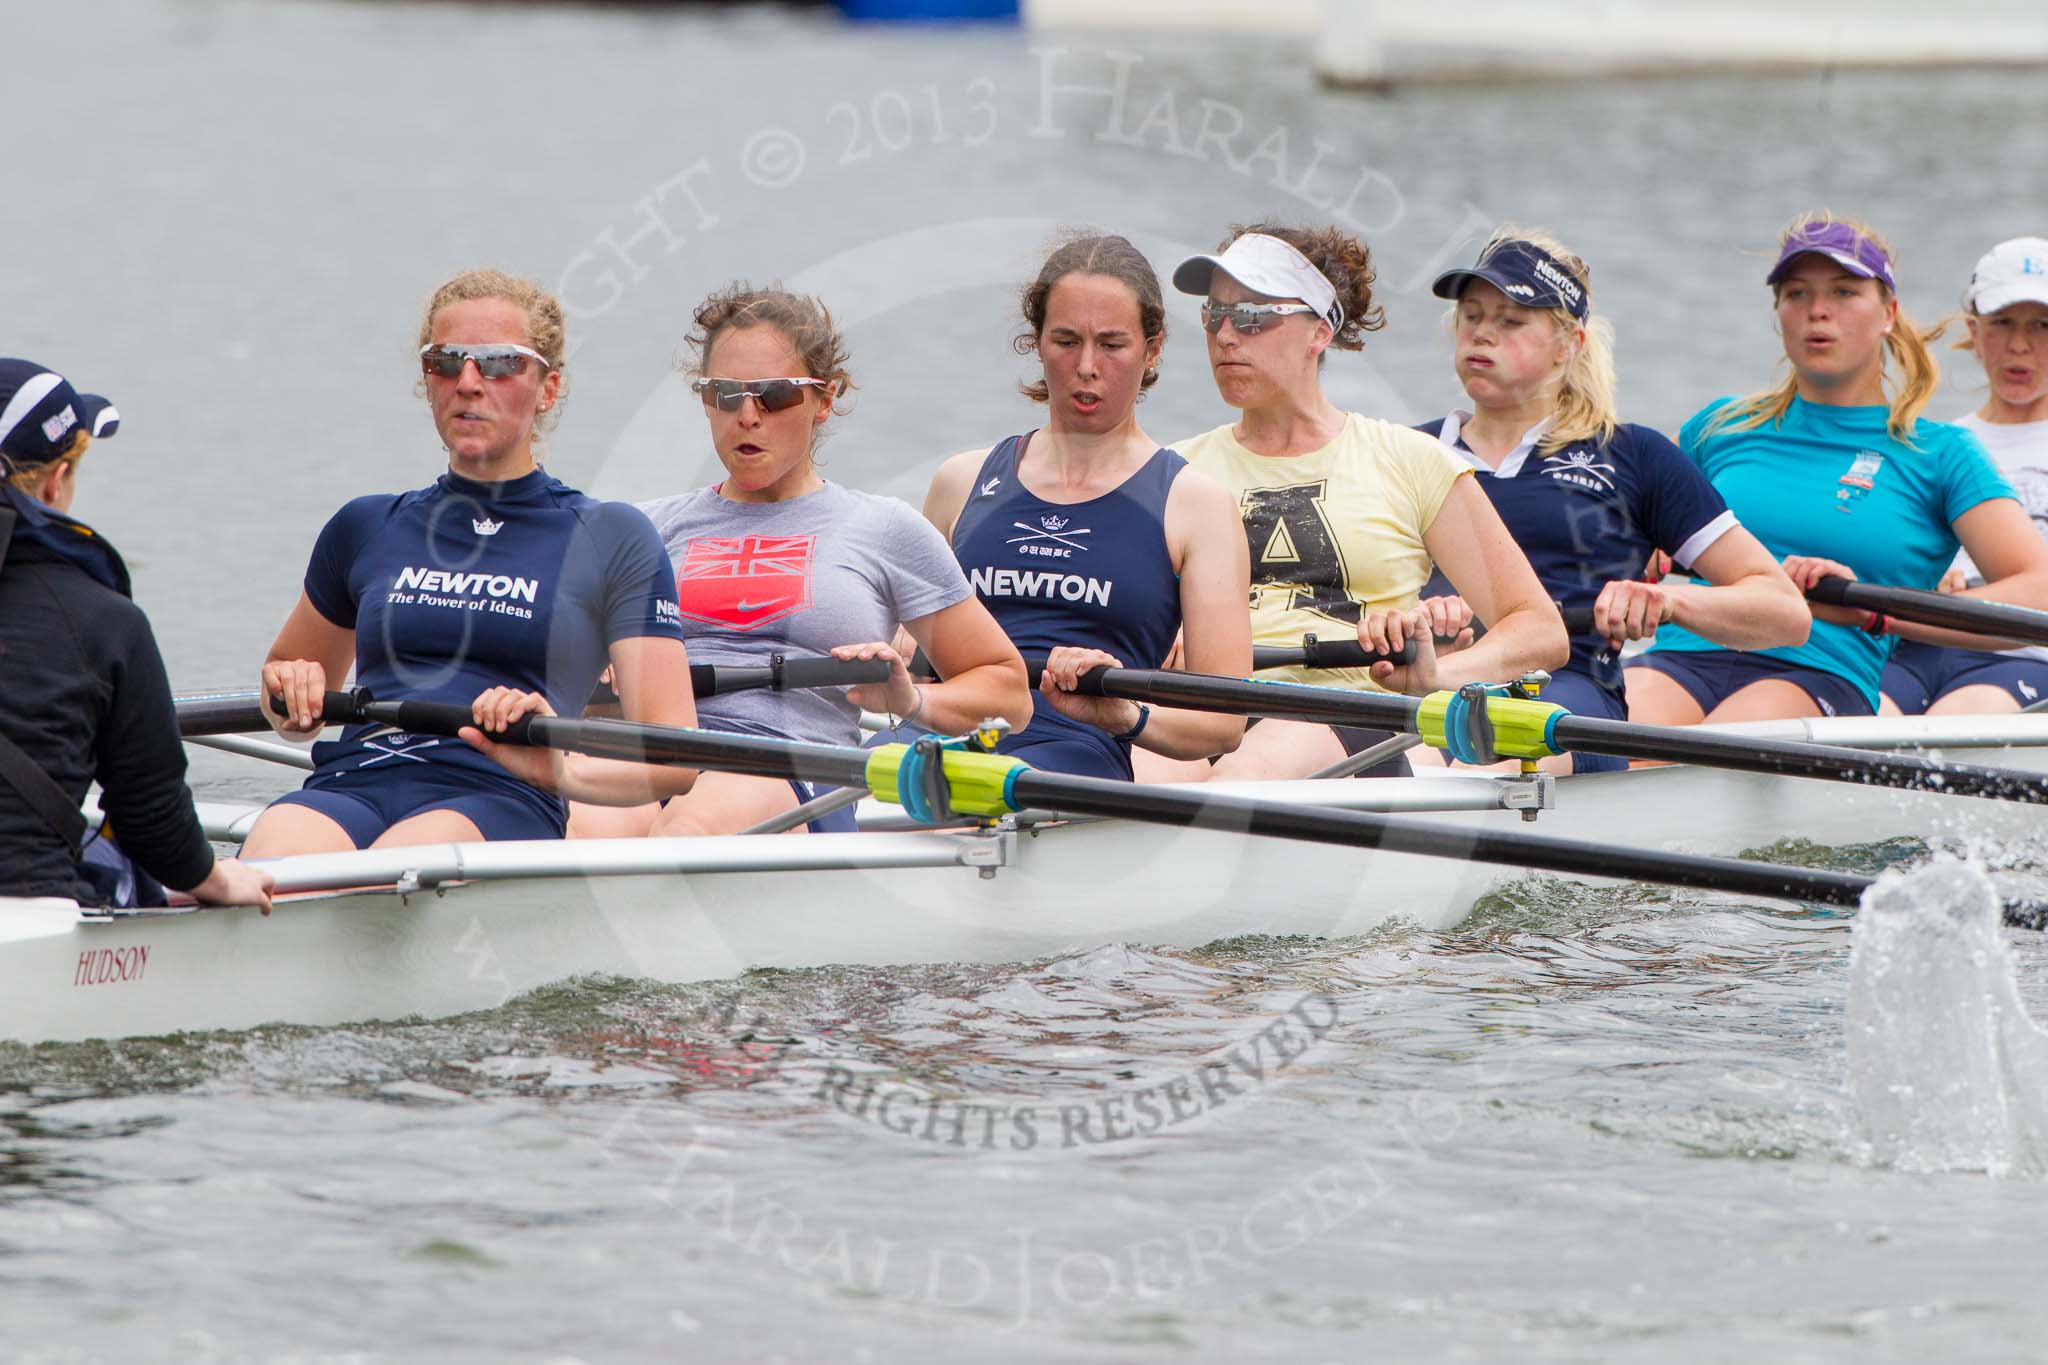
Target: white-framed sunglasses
<point>772,394</point>
<point>495,360</point>
<point>1248,318</point>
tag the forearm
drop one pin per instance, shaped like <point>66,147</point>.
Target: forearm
<point>1174,733</point>
<point>615,782</point>
<point>982,693</point>
<point>1754,612</point>
<point>1525,639</point>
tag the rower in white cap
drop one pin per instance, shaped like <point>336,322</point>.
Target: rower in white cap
<point>2006,311</point>
<point>1344,514</point>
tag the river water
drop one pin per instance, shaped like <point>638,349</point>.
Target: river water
<point>1583,1126</point>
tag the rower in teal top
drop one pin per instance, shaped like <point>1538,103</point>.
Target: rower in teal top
<point>1839,477</point>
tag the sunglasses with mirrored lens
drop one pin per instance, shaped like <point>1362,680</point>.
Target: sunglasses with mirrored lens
<point>499,360</point>
<point>1248,318</point>
<point>772,394</point>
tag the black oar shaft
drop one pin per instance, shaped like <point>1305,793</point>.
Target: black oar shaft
<point>1624,739</point>
<point>1210,810</point>
<point>1190,806</point>
<point>1587,734</point>
<point>624,740</point>
<point>232,713</point>
<point>1943,610</point>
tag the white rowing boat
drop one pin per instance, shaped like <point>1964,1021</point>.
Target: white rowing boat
<point>445,929</point>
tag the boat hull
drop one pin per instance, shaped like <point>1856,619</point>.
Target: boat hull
<point>468,927</point>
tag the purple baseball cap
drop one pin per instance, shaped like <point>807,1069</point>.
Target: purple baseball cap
<point>1840,243</point>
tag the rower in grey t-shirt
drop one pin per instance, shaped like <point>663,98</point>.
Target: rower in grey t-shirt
<point>832,567</point>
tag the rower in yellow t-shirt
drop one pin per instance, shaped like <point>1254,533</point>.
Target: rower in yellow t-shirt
<point>1344,514</point>
<point>1335,533</point>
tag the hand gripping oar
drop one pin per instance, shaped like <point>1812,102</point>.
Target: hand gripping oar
<point>933,779</point>
<point>1475,726</point>
<point>1944,610</point>
<point>202,714</point>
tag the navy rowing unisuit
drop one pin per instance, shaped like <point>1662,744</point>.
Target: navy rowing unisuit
<point>1095,574</point>
<point>461,587</point>
<point>1585,514</point>
<point>1592,511</point>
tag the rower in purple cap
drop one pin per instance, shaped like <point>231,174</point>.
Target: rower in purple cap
<point>1836,472</point>
<point>86,696</point>
<point>1588,497</point>
<point>1345,515</point>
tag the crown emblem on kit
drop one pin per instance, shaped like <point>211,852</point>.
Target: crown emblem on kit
<point>1053,523</point>
<point>487,527</point>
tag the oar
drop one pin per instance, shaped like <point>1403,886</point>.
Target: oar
<point>1944,610</point>
<point>989,785</point>
<point>1535,729</point>
<point>229,713</point>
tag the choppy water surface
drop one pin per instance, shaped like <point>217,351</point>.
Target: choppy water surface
<point>1578,1128</point>
<point>1621,1125</point>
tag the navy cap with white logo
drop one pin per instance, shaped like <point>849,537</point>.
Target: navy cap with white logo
<point>39,411</point>
<point>1524,272</point>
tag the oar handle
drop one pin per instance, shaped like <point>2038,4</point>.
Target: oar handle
<point>1346,653</point>
<point>781,675</point>
<point>1312,653</point>
<point>336,708</point>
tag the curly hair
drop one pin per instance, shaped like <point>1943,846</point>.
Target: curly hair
<point>1346,262</point>
<point>803,320</point>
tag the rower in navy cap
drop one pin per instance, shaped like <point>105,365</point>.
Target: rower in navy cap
<point>86,698</point>
<point>1588,497</point>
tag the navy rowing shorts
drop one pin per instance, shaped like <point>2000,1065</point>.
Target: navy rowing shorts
<point>365,804</point>
<point>1712,676</point>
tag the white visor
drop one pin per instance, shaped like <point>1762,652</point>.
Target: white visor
<point>2011,272</point>
<point>1264,265</point>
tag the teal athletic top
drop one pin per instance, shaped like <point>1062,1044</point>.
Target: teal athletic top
<point>1832,483</point>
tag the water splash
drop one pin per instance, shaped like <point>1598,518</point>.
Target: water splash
<point>1946,1070</point>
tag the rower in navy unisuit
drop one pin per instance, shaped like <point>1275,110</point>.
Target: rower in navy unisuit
<point>1097,574</point>
<point>464,586</point>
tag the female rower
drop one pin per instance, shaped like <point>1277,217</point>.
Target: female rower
<point>776,559</point>
<point>1841,477</point>
<point>2006,311</point>
<point>497,587</point>
<point>1590,498</point>
<point>1090,543</point>
<point>1343,514</point>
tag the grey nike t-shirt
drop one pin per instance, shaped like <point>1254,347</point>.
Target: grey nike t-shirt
<point>833,567</point>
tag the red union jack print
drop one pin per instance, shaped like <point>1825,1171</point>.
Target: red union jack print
<point>744,582</point>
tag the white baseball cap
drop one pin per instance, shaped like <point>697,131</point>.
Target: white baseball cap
<point>1264,265</point>
<point>2011,272</point>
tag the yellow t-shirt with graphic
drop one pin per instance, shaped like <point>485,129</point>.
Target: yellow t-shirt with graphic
<point>1335,533</point>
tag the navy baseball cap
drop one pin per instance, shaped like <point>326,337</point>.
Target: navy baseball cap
<point>1524,272</point>
<point>39,410</point>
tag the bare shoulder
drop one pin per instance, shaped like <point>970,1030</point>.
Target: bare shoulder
<point>950,485</point>
<point>1200,501</point>
<point>1201,511</point>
